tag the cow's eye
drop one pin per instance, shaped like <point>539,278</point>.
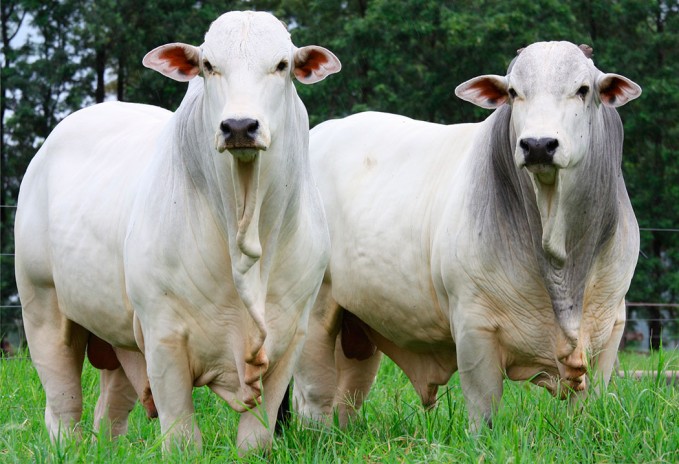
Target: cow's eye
<point>282,66</point>
<point>583,91</point>
<point>208,67</point>
<point>512,93</point>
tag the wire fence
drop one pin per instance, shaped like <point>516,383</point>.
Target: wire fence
<point>638,332</point>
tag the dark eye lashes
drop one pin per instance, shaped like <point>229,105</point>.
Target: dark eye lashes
<point>207,66</point>
<point>282,65</point>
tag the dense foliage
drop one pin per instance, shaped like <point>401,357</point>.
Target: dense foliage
<point>404,57</point>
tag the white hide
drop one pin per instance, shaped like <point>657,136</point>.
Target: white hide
<point>458,258</point>
<point>139,226</point>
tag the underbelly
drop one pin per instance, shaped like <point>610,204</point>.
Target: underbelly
<point>416,328</point>
<point>107,318</point>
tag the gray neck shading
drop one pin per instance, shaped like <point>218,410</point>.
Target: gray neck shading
<point>504,205</point>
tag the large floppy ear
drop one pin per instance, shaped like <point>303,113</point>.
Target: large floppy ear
<point>615,90</point>
<point>489,91</point>
<point>177,61</point>
<point>313,64</point>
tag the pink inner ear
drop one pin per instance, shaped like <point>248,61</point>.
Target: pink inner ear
<point>313,61</point>
<point>176,58</point>
<point>487,90</point>
<point>615,88</point>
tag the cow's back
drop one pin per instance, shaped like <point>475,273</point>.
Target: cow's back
<point>385,180</point>
<point>73,211</point>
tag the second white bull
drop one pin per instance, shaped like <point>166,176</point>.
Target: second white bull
<point>503,248</point>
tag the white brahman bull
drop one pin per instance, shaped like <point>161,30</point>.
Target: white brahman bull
<point>196,237</point>
<point>498,249</point>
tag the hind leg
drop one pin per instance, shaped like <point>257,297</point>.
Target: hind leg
<point>119,390</point>
<point>355,379</point>
<point>57,348</point>
<point>357,360</point>
<point>116,399</point>
<point>315,376</point>
<point>134,365</point>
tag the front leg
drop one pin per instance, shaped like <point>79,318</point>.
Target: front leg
<point>481,373</point>
<point>257,424</point>
<point>604,362</point>
<point>172,385</point>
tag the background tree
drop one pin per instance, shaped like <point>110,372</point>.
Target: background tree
<point>40,85</point>
<point>76,53</point>
<point>641,38</point>
<point>404,57</point>
<point>12,16</point>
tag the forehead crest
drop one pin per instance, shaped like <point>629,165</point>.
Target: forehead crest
<point>236,28</point>
<point>551,62</point>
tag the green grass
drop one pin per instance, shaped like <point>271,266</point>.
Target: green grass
<point>633,422</point>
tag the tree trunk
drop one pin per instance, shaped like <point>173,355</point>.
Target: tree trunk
<point>100,68</point>
<point>121,78</point>
<point>654,329</point>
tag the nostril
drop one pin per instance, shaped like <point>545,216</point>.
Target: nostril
<point>539,151</point>
<point>252,127</point>
<point>225,127</point>
<point>240,132</point>
<point>240,128</point>
<point>524,145</point>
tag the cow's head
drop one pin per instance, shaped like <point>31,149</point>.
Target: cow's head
<point>553,88</point>
<point>247,61</point>
<point>561,134</point>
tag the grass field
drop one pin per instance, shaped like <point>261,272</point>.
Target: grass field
<point>634,422</point>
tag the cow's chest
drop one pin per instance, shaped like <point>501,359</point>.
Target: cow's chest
<point>518,310</point>
<point>521,316</point>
